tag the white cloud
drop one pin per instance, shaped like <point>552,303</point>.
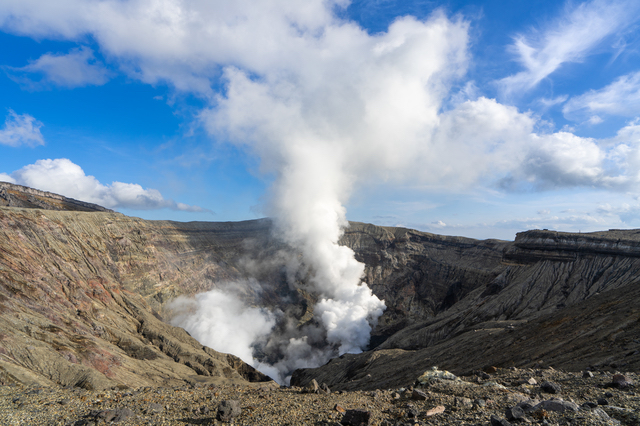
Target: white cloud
<point>62,176</point>
<point>621,98</point>
<point>563,159</point>
<point>21,130</point>
<point>75,69</point>
<point>546,102</point>
<point>569,39</point>
<point>181,43</point>
<point>327,105</point>
<point>6,178</point>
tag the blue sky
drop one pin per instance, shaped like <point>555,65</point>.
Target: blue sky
<point>479,119</point>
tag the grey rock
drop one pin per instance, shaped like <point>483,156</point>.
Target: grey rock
<point>412,412</point>
<point>201,410</point>
<point>621,381</point>
<point>311,387</point>
<point>550,387</point>
<point>498,421</point>
<point>154,408</point>
<point>113,416</point>
<point>557,405</point>
<point>587,374</point>
<point>122,414</point>
<point>228,410</point>
<point>480,402</point>
<point>419,395</point>
<point>463,402</point>
<point>514,413</point>
<point>603,401</point>
<point>601,413</point>
<point>528,405</point>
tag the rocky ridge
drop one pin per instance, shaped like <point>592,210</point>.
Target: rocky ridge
<point>12,195</point>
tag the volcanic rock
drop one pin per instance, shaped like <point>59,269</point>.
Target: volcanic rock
<point>514,413</point>
<point>228,410</point>
<point>498,421</point>
<point>556,405</point>
<point>419,395</point>
<point>356,418</point>
<point>550,387</point>
<point>312,387</point>
<point>620,381</point>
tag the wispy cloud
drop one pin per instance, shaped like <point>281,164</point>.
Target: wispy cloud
<point>64,177</point>
<point>621,98</point>
<point>21,129</point>
<point>570,38</point>
<point>77,68</point>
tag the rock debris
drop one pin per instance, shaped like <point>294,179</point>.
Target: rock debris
<point>465,401</point>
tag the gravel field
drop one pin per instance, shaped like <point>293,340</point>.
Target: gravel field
<point>511,396</point>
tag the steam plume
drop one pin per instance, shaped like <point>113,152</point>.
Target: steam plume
<point>353,112</point>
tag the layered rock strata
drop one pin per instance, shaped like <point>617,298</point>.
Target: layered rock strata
<point>68,317</point>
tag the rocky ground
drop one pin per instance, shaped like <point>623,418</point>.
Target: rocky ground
<point>491,397</point>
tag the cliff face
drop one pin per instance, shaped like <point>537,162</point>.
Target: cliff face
<point>419,274</point>
<point>82,295</point>
<point>566,300</point>
<point>69,312</point>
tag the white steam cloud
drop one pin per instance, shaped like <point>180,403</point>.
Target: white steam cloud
<point>219,319</point>
<point>320,128</point>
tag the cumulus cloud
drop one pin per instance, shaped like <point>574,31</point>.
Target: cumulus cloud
<point>62,176</point>
<point>621,98</point>
<point>74,69</point>
<point>21,129</point>
<point>563,159</point>
<point>180,43</point>
<point>570,38</point>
